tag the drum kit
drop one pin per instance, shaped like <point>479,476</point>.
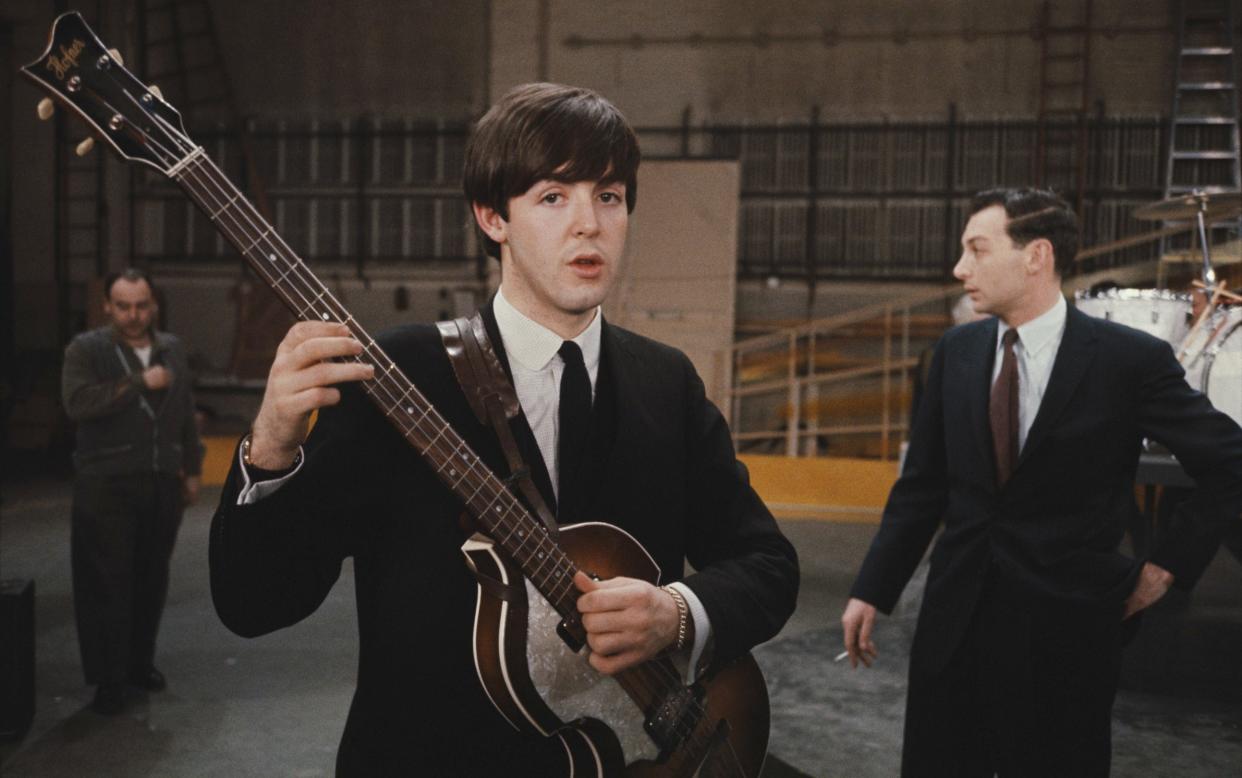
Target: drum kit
<point>1204,326</point>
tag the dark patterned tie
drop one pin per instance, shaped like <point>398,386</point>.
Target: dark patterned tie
<point>574,422</point>
<point>1003,411</point>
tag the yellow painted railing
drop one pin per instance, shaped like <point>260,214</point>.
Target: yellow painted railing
<point>837,386</point>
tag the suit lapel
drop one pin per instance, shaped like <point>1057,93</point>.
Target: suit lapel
<point>1073,357</point>
<point>978,357</point>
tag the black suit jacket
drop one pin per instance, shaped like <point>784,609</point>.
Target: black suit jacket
<point>1053,530</point>
<point>669,477</point>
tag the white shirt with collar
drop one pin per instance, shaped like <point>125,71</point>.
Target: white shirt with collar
<point>534,359</point>
<point>1036,351</point>
<point>533,354</point>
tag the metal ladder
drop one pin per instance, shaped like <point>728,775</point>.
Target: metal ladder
<point>1064,78</point>
<point>1203,148</point>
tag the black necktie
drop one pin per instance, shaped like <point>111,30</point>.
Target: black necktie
<point>574,421</point>
<point>1003,411</point>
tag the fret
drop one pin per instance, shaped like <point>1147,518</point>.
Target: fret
<point>493,521</point>
<point>216,214</point>
<point>500,496</point>
<point>563,590</point>
<point>439,435</point>
<point>519,529</point>
<point>543,557</point>
<point>414,424</point>
<point>449,461</point>
<point>549,588</point>
<point>560,580</point>
<point>464,475</point>
<point>246,251</point>
<point>277,282</point>
<point>478,488</point>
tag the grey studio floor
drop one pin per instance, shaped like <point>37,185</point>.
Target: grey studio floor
<point>275,706</point>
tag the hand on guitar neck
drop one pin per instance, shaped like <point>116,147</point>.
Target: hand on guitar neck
<point>628,621</point>
<point>302,380</point>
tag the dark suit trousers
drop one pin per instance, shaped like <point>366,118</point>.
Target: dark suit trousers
<point>123,532</point>
<point>1028,693</point>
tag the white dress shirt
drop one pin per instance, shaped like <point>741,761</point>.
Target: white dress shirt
<point>1036,351</point>
<point>534,359</point>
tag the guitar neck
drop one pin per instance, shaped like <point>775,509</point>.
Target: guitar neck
<point>498,512</point>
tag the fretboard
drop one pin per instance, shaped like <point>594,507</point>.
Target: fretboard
<point>498,512</point>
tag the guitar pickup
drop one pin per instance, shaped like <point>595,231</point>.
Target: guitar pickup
<point>572,632</point>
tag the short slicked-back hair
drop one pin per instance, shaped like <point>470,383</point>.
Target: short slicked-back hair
<point>1033,214</point>
<point>547,131</point>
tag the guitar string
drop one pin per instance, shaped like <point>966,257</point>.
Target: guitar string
<point>665,675</point>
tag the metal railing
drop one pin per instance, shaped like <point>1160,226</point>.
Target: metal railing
<point>841,385</point>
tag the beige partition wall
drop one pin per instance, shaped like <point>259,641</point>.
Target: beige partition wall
<point>678,281</point>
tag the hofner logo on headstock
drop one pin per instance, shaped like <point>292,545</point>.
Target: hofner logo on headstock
<point>68,59</point>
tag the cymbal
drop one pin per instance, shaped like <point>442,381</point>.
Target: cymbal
<point>1184,207</point>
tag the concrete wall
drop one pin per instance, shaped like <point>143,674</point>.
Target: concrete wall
<point>420,58</point>
<point>766,60</point>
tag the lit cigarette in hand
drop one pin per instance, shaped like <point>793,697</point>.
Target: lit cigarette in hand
<point>841,656</point>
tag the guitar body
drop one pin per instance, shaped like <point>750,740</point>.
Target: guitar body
<point>541,686</point>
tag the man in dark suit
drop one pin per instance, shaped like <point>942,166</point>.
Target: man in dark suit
<point>1025,450</point>
<point>551,177</point>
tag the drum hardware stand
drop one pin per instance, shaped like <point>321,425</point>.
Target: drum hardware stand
<point>1217,291</point>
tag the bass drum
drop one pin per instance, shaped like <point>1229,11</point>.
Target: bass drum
<point>1158,312</point>
<point>1222,372</point>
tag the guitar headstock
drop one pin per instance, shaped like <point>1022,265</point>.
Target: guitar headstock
<point>78,71</point>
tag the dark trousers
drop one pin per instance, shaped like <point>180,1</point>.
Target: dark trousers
<point>124,528</point>
<point>1028,693</point>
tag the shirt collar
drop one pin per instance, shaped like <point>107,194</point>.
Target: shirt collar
<point>532,345</point>
<point>1040,332</point>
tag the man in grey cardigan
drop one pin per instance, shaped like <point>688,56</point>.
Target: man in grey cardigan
<point>138,459</point>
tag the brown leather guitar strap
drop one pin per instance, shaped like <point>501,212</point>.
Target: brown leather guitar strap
<point>491,396</point>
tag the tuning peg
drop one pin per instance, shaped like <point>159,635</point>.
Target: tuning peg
<point>46,108</point>
<point>116,55</point>
<point>85,147</point>
<point>155,90</point>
